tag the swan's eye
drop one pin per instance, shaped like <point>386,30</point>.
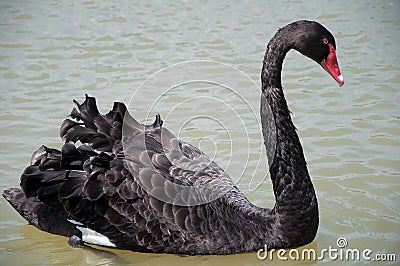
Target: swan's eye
<point>325,41</point>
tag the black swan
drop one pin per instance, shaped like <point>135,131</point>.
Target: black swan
<point>103,190</point>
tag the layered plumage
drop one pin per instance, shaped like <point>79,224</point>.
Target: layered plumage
<point>145,190</point>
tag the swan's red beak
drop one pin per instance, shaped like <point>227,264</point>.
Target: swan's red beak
<point>332,67</point>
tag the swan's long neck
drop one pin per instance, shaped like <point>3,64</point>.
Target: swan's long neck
<point>296,208</point>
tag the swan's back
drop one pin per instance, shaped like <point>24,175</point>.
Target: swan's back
<point>139,186</point>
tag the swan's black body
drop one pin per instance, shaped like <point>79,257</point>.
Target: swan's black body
<point>93,184</point>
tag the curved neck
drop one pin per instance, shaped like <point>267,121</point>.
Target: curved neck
<point>294,193</point>
<point>276,51</point>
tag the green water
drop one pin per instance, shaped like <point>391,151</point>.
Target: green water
<point>53,52</point>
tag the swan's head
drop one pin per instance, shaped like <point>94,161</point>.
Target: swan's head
<point>317,43</point>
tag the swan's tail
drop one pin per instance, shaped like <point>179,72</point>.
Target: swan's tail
<point>39,214</point>
<point>55,178</point>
